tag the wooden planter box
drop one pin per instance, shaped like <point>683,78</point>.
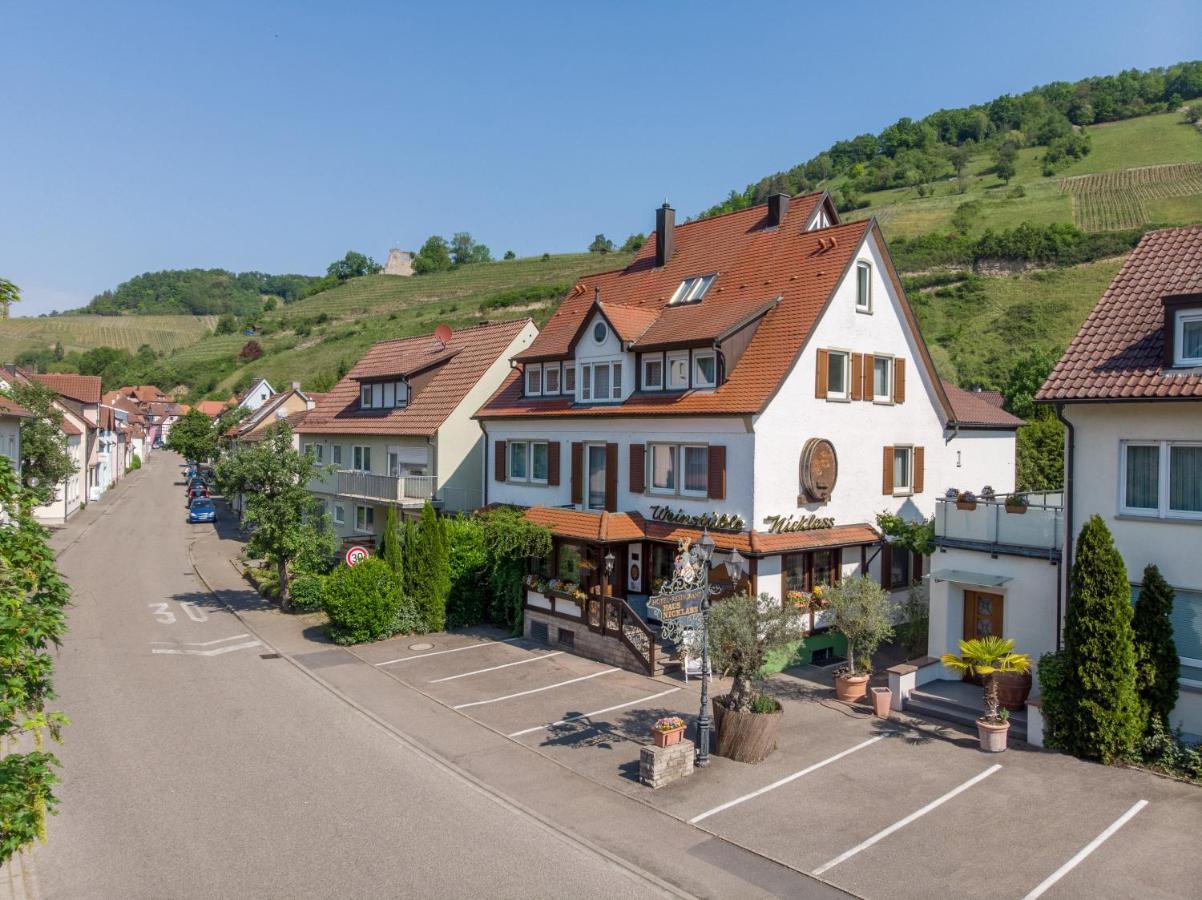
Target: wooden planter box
<point>1015,509</point>
<point>966,505</point>
<point>745,737</point>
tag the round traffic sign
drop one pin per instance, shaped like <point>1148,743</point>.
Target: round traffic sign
<point>356,555</point>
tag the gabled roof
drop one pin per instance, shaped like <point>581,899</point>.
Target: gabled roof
<point>11,408</point>
<point>84,388</point>
<point>979,409</point>
<point>212,408</point>
<point>1119,352</point>
<point>474,351</point>
<point>143,393</point>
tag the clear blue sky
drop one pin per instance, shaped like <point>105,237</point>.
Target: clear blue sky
<point>277,135</point>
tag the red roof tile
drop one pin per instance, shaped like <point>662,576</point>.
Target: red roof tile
<point>978,408</point>
<point>84,388</point>
<point>1119,352</point>
<point>211,408</point>
<point>463,362</point>
<point>11,408</point>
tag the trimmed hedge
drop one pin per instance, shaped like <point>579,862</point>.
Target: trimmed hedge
<point>362,601</point>
<point>307,592</point>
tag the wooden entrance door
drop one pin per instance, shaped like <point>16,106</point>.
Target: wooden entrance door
<point>982,614</point>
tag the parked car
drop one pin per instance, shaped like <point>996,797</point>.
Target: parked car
<point>157,445</point>
<point>197,491</point>
<point>202,509</point>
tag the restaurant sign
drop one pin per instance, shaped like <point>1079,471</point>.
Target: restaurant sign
<point>789,524</point>
<point>676,605</point>
<point>716,521</point>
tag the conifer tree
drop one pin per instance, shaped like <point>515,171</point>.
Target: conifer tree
<point>1102,707</point>
<point>432,575</point>
<point>390,543</point>
<point>1157,664</point>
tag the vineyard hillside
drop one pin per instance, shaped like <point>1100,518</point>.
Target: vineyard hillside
<point>162,333</point>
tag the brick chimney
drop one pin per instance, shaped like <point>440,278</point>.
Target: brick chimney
<point>778,208</point>
<point>665,234</point>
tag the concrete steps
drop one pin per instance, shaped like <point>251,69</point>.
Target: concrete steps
<point>936,706</point>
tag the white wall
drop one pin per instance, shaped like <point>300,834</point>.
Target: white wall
<point>10,441</point>
<point>860,430</point>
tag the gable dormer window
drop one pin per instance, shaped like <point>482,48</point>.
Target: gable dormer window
<point>384,395</point>
<point>1188,338</point>
<point>534,380</point>
<point>691,290</point>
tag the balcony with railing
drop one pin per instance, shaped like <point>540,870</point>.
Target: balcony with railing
<point>403,490</point>
<point>1034,528</point>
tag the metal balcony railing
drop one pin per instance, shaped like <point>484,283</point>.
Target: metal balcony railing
<point>1037,531</point>
<point>386,488</point>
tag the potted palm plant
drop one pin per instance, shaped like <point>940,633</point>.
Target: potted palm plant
<point>742,632</point>
<point>860,608</point>
<point>987,658</point>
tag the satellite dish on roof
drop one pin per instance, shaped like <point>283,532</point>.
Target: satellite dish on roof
<point>442,334</point>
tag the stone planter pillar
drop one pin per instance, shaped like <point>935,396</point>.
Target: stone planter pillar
<point>660,766</point>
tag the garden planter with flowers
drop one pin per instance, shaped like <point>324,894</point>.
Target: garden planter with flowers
<point>1016,504</point>
<point>668,731</point>
<point>966,501</point>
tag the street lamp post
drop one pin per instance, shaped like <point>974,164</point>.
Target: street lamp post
<point>705,547</point>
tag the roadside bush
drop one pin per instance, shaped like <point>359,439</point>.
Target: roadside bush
<point>468,600</point>
<point>135,463</point>
<point>1053,673</point>
<point>362,601</point>
<point>1165,751</point>
<point>510,541</point>
<point>1158,666</point>
<point>307,592</point>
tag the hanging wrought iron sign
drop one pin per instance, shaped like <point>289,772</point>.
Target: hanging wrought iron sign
<point>678,605</point>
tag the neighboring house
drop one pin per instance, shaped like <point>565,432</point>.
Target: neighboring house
<point>256,395</point>
<point>1129,387</point>
<point>81,395</point>
<point>135,432</point>
<point>398,429</point>
<point>758,374</point>
<point>212,408</point>
<point>289,406</point>
<point>11,416</point>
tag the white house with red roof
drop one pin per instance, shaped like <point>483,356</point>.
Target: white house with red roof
<point>759,374</point>
<point>398,429</point>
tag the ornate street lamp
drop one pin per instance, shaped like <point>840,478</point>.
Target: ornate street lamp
<point>705,549</point>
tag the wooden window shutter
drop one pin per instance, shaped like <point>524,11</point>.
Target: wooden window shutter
<point>577,472</point>
<point>869,377</point>
<point>919,466</point>
<point>820,376</point>
<point>857,377</point>
<point>553,463</point>
<point>899,380</point>
<point>717,472</point>
<point>499,460</point>
<point>887,472</point>
<point>611,477</point>
<point>638,468</point>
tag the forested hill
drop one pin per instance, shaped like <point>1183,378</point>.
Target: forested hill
<point>915,154</point>
<point>198,292</point>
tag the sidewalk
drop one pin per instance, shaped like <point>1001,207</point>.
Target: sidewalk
<point>688,858</point>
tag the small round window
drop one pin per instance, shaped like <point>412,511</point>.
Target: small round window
<point>600,332</point>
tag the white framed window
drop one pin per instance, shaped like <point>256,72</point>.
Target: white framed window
<point>692,289</point>
<point>519,462</point>
<point>678,370</point>
<point>696,470</point>
<point>539,462</point>
<point>679,469</point>
<point>339,514</point>
<point>383,395</point>
<point>601,382</point>
<point>705,369</point>
<point>882,379</point>
<point>551,378</point>
<point>653,371</point>
<point>595,480</point>
<point>863,287</point>
<point>365,396</point>
<point>1187,350</point>
<point>534,380</point>
<point>336,454</point>
<point>903,470</point>
<point>1161,479</point>
<point>838,375</point>
<point>319,452</point>
<point>569,378</point>
<point>663,468</point>
<point>361,459</point>
<point>600,332</point>
<point>364,518</point>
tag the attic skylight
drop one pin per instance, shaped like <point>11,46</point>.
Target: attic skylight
<point>692,289</point>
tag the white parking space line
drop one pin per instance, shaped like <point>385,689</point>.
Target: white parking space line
<point>902,823</point>
<point>520,662</point>
<point>1086,850</point>
<point>786,779</point>
<point>232,637</point>
<point>589,715</point>
<point>536,690</point>
<point>389,662</point>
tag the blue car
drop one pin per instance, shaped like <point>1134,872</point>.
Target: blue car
<point>202,510</point>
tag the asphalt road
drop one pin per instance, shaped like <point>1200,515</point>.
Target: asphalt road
<point>210,771</point>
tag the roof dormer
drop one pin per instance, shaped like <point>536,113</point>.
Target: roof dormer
<point>1183,331</point>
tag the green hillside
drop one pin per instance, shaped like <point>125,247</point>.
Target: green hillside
<point>78,333</point>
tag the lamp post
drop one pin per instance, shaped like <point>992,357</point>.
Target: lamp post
<point>609,561</point>
<point>705,548</point>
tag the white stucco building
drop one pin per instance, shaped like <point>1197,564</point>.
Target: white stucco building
<point>759,374</point>
<point>398,429</point>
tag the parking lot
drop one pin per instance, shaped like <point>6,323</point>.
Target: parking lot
<point>894,808</point>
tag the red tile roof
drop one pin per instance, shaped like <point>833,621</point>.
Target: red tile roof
<point>11,408</point>
<point>623,527</point>
<point>1119,352</point>
<point>84,388</point>
<point>69,427</point>
<point>784,274</point>
<point>979,409</point>
<point>211,408</point>
<point>460,365</point>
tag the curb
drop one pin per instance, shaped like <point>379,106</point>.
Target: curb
<point>450,767</point>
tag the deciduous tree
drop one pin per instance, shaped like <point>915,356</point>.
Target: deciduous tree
<point>434,256</point>
<point>46,462</point>
<point>194,437</point>
<point>601,244</point>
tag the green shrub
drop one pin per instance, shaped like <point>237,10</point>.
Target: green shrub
<point>307,592</point>
<point>135,463</point>
<point>468,600</point>
<point>1157,665</point>
<point>427,575</point>
<point>362,601</point>
<point>1053,673</point>
<point>510,541</point>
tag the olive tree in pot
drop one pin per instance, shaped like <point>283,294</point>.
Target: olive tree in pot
<point>987,658</point>
<point>861,614</point>
<point>742,632</point>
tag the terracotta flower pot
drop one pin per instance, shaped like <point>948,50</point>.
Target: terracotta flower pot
<point>1016,509</point>
<point>966,505</point>
<point>744,736</point>
<point>882,698</point>
<point>1013,689</point>
<point>851,688</point>
<point>667,738</point>
<point>992,735</point>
